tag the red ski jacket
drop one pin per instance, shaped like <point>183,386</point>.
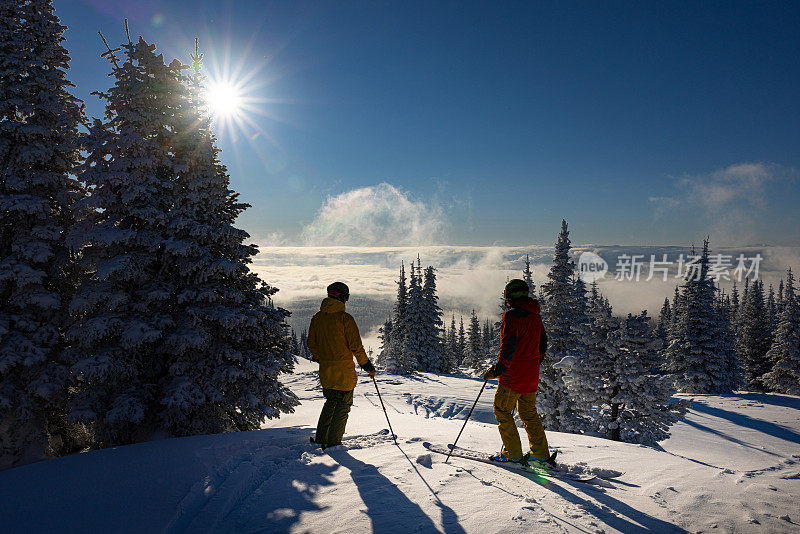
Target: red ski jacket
<point>523,342</point>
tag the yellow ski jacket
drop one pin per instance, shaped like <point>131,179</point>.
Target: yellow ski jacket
<point>333,340</point>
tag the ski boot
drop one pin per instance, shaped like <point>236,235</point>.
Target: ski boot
<point>502,458</point>
<point>544,463</point>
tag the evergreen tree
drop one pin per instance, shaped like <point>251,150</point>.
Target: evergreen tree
<point>740,312</point>
<point>676,306</point>
<point>639,410</point>
<point>784,377</point>
<point>174,332</point>
<point>527,276</point>
<point>587,372</point>
<point>122,306</point>
<point>561,315</point>
<point>452,345</point>
<point>486,336</point>
<point>754,336</point>
<point>699,352</point>
<point>462,342</point>
<point>664,322</point>
<point>580,299</point>
<point>415,329</point>
<point>394,351</point>
<point>433,354</point>
<point>384,333</point>
<point>727,345</point>
<point>474,355</point>
<point>39,121</point>
<point>772,311</point>
<point>237,354</point>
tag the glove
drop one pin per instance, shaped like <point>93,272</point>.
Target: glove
<point>369,369</point>
<point>490,373</point>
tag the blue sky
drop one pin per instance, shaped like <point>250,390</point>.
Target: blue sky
<point>638,123</point>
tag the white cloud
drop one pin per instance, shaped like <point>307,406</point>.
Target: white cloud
<point>376,215</point>
<point>738,183</point>
<point>727,200</point>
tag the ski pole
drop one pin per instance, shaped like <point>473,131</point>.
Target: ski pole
<point>394,437</point>
<point>465,421</point>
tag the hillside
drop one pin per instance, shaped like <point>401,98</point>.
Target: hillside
<point>732,465</point>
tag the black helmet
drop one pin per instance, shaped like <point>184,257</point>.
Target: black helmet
<point>516,289</point>
<point>339,291</point>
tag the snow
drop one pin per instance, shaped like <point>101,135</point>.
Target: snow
<point>733,464</point>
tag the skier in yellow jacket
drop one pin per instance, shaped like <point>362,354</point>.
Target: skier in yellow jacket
<point>333,340</point>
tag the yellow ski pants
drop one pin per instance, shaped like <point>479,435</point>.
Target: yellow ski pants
<point>504,402</point>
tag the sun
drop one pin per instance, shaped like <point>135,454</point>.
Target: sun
<point>224,100</point>
<point>234,95</point>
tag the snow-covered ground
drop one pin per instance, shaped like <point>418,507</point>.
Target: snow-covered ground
<point>732,465</point>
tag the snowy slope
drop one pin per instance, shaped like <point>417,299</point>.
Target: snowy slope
<point>732,465</point>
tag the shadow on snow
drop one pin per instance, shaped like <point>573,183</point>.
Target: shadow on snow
<point>611,511</point>
<point>773,399</point>
<point>743,420</point>
<point>388,508</point>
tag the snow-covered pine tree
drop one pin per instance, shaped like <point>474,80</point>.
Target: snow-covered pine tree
<point>383,360</point>
<point>527,276</point>
<point>452,345</point>
<point>699,353</point>
<point>734,303</point>
<point>394,353</point>
<point>225,350</point>
<point>414,327</point>
<point>754,336</point>
<point>785,350</point>
<point>588,371</point>
<point>433,354</point>
<point>474,355</point>
<point>727,345</point>
<point>571,418</point>
<point>581,298</point>
<point>560,318</point>
<point>639,410</point>
<point>122,308</point>
<point>39,121</point>
<point>664,321</point>
<point>462,341</point>
<point>740,310</point>
<point>676,307</point>
<point>772,312</point>
<point>173,331</point>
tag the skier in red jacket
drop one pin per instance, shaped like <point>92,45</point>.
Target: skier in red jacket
<point>523,343</point>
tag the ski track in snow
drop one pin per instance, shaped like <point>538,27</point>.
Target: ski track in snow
<point>436,407</point>
<point>239,471</point>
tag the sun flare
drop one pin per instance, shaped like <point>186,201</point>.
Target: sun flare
<point>224,100</point>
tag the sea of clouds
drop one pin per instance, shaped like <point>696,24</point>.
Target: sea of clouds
<point>471,276</point>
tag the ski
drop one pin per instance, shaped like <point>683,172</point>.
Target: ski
<point>526,468</point>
